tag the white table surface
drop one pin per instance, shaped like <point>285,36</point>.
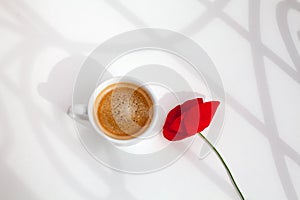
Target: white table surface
<point>255,46</point>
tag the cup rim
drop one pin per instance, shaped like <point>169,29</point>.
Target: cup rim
<point>102,86</point>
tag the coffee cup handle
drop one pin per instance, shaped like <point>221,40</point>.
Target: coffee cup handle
<point>78,111</point>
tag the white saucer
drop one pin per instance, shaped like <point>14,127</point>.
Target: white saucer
<point>175,67</point>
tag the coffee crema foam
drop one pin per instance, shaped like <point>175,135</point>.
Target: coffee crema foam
<point>123,110</point>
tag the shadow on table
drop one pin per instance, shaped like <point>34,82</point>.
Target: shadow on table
<point>268,127</point>
<point>11,187</point>
<point>39,120</point>
<point>58,91</point>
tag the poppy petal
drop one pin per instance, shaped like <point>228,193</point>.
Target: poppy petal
<point>199,118</point>
<point>189,118</point>
<point>172,115</point>
<point>169,134</point>
<point>176,124</point>
<point>207,111</point>
<point>190,104</point>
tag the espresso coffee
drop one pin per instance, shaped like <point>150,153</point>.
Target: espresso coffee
<point>123,110</point>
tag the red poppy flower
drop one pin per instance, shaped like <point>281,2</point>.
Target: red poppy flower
<point>192,117</point>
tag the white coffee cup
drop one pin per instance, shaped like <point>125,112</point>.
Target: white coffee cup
<point>86,112</point>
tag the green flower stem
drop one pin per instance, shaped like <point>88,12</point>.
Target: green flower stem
<point>224,164</point>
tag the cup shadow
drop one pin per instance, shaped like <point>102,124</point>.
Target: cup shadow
<point>58,91</point>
